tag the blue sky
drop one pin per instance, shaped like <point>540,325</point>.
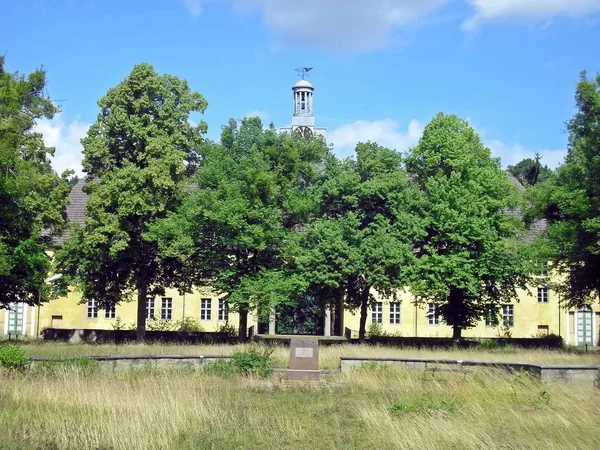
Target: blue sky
<point>382,68</point>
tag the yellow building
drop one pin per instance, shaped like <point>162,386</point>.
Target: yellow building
<point>536,313</point>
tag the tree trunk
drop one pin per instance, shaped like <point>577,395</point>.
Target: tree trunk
<point>364,310</point>
<point>338,323</point>
<point>243,328</point>
<point>456,333</point>
<point>142,302</point>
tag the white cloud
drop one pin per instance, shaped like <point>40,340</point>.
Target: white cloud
<point>512,154</point>
<point>66,138</point>
<point>194,7</point>
<point>385,132</point>
<point>334,24</point>
<point>489,10</point>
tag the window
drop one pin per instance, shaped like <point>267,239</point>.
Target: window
<point>508,315</point>
<point>110,313</point>
<point>542,294</point>
<point>150,308</point>
<point>223,310</point>
<point>544,270</point>
<point>377,312</point>
<point>491,319</point>
<point>395,313</point>
<point>166,309</point>
<point>434,317</point>
<point>543,330</point>
<point>92,308</point>
<point>205,313</point>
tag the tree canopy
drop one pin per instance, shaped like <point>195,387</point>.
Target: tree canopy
<point>136,156</point>
<point>362,239</point>
<point>253,190</point>
<point>470,260</point>
<point>530,171</point>
<point>570,201</point>
<point>32,196</point>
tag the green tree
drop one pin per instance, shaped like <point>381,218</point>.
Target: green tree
<point>32,196</point>
<point>135,157</point>
<point>570,201</point>
<point>253,190</point>
<point>470,259</point>
<point>530,171</point>
<point>362,241</point>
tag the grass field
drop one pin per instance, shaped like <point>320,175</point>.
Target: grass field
<point>370,408</point>
<point>329,355</point>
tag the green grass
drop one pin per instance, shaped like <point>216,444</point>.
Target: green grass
<point>329,356</point>
<point>69,407</point>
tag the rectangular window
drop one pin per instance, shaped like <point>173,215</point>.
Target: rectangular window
<point>395,313</point>
<point>491,319</point>
<point>149,308</point>
<point>110,313</point>
<point>542,294</point>
<point>508,316</point>
<point>223,311</point>
<point>205,311</point>
<point>92,308</point>
<point>544,270</point>
<point>166,309</point>
<point>377,312</point>
<point>432,314</point>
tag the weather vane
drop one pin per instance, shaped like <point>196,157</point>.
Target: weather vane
<point>303,71</point>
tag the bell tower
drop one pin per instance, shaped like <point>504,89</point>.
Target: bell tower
<point>303,119</point>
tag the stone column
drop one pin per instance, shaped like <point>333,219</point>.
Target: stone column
<point>272,321</point>
<point>327,327</point>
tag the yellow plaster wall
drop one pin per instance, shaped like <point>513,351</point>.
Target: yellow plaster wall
<point>74,313</point>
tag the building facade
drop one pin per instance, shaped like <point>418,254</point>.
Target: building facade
<point>536,313</point>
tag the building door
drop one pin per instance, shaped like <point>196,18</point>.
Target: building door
<point>15,318</point>
<point>585,330</point>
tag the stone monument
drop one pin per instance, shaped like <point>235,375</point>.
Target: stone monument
<point>304,359</point>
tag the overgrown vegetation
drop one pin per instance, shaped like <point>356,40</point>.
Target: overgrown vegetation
<point>389,408</point>
<point>12,356</point>
<point>253,361</point>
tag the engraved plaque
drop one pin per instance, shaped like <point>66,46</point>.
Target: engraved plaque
<point>304,352</point>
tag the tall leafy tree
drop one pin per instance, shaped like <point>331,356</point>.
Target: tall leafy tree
<point>470,259</point>
<point>135,156</point>
<point>530,171</point>
<point>32,196</point>
<point>363,239</point>
<point>570,201</point>
<point>254,190</point>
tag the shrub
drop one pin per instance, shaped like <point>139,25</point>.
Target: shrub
<point>375,329</point>
<point>254,361</point>
<point>189,323</point>
<point>227,328</point>
<point>12,357</point>
<point>118,324</point>
<point>222,368</point>
<point>160,325</point>
<point>492,344</point>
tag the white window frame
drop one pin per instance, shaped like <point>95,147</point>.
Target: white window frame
<point>92,308</point>
<point>150,308</point>
<point>166,308</point>
<point>508,316</point>
<point>395,316</point>
<point>223,313</point>
<point>377,313</point>
<point>206,309</point>
<point>433,315</point>
<point>110,313</point>
<point>542,295</point>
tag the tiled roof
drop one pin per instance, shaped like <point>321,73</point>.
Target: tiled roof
<point>75,211</point>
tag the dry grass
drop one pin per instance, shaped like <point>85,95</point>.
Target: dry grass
<point>329,355</point>
<point>69,408</point>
